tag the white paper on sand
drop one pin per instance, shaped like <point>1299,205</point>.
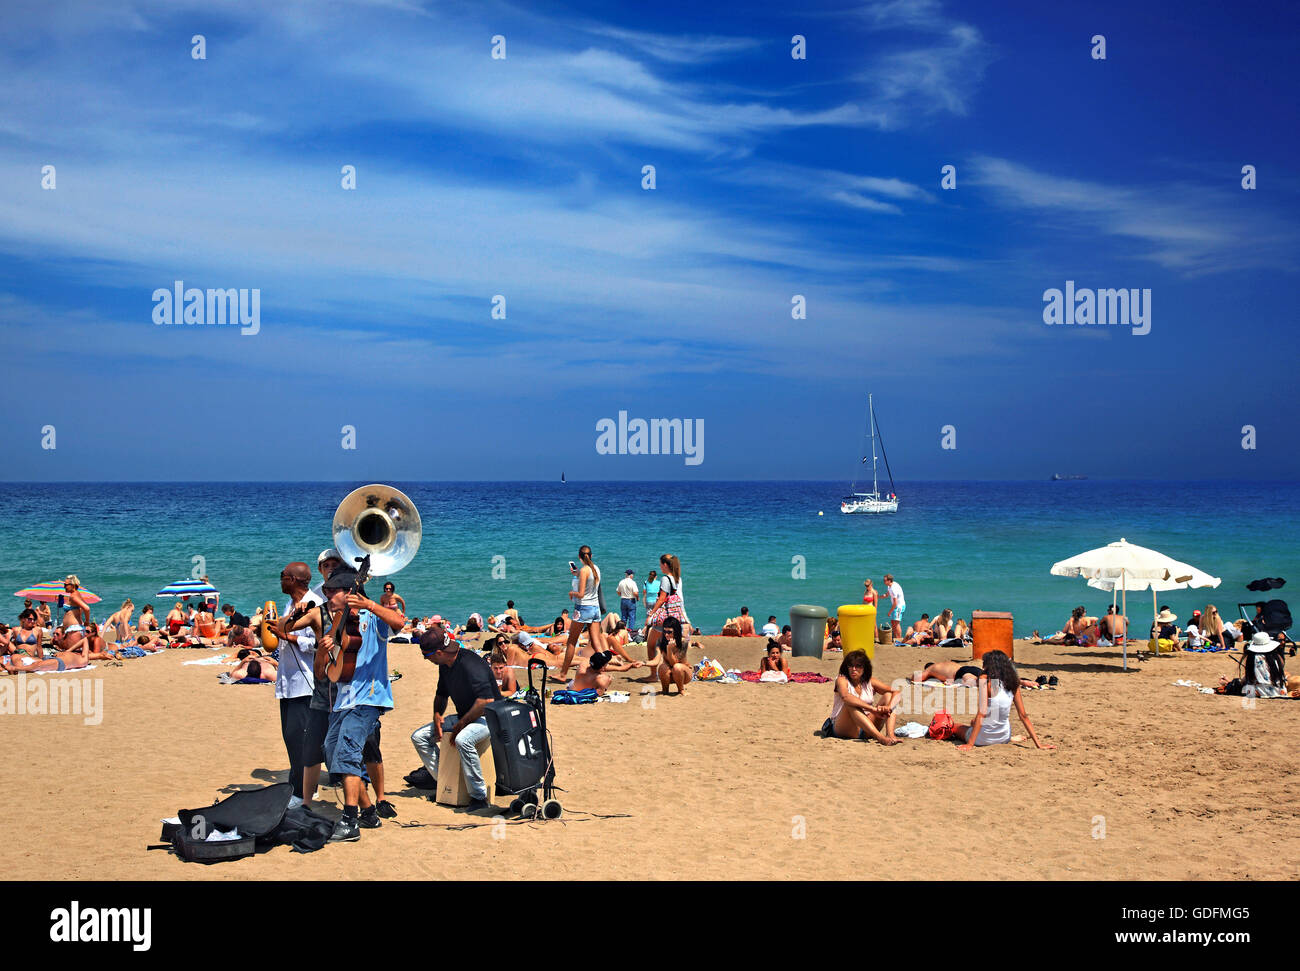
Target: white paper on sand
<point>88,667</point>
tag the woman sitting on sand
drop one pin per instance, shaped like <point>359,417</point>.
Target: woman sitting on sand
<point>27,638</point>
<point>941,628</point>
<point>616,638</point>
<point>96,647</point>
<point>1212,626</point>
<point>774,661</point>
<point>176,619</point>
<point>992,724</point>
<point>673,666</point>
<point>391,598</point>
<point>855,711</point>
<point>147,622</point>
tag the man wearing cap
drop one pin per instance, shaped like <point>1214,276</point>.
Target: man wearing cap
<point>628,593</point>
<point>328,561</point>
<point>294,683</point>
<point>360,701</point>
<point>467,680</point>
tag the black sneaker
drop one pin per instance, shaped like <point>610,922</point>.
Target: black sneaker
<point>478,806</point>
<point>370,818</point>
<point>385,808</point>
<point>346,830</point>
<point>421,778</point>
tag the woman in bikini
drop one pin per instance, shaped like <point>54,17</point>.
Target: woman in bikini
<point>27,638</point>
<point>148,622</point>
<point>673,666</point>
<point>391,599</point>
<point>176,619</point>
<point>863,706</point>
<point>96,648</point>
<point>774,660</point>
<point>870,596</point>
<point>68,660</point>
<point>118,624</point>
<point>591,673</point>
<point>77,611</point>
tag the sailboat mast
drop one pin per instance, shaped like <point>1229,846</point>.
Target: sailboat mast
<point>871,423</point>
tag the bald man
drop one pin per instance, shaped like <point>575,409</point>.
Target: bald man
<point>294,684</point>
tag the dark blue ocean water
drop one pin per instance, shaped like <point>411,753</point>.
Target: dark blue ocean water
<point>964,545</point>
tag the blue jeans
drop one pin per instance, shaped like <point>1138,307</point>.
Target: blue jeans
<point>347,736</point>
<point>627,608</point>
<point>466,743</point>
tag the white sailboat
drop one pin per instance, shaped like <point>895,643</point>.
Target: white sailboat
<point>872,501</point>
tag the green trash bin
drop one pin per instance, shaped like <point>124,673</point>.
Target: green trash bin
<point>807,630</point>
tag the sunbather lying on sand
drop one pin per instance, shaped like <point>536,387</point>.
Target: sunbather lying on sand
<point>61,661</point>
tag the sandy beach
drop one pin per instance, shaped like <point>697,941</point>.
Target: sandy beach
<point>1149,781</point>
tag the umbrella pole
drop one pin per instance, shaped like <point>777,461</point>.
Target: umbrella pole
<point>1124,580</point>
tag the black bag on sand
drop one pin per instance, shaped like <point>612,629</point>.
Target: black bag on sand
<point>255,813</point>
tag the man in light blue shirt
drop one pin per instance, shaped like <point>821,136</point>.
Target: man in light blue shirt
<point>361,700</point>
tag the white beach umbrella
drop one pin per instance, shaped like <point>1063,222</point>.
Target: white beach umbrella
<point>1128,566</point>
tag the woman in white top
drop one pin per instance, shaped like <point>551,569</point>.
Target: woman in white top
<point>992,725</point>
<point>585,594</point>
<point>863,706</point>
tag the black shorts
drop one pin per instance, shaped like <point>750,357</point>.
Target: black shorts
<point>313,739</point>
<point>370,751</point>
<point>969,669</point>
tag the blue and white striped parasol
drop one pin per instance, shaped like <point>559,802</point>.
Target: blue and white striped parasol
<point>187,588</point>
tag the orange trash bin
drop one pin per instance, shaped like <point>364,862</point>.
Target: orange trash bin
<point>991,631</point>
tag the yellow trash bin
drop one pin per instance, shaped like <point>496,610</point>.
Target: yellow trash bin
<point>858,628</point>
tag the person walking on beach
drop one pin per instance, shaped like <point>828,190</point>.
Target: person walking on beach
<point>586,609</point>
<point>627,594</point>
<point>896,606</point>
<point>294,681</point>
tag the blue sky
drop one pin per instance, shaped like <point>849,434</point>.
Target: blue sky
<point>522,177</point>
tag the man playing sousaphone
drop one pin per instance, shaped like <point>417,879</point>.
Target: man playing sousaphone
<point>362,698</point>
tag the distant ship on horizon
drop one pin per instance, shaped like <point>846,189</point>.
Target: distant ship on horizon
<point>1066,476</point>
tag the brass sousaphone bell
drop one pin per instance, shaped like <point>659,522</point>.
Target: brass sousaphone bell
<point>378,521</point>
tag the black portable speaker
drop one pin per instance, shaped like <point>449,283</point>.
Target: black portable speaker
<point>518,745</point>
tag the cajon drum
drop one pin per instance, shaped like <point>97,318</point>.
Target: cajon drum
<point>991,631</point>
<point>452,787</point>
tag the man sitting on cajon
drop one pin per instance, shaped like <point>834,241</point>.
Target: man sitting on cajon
<point>467,680</point>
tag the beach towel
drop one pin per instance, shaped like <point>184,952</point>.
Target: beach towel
<point>564,696</point>
<point>618,697</point>
<point>215,659</point>
<point>88,667</point>
<point>798,677</point>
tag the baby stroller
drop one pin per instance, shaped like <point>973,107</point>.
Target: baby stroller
<point>1273,617</point>
<point>521,749</point>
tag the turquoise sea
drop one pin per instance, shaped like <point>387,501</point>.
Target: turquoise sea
<point>964,545</point>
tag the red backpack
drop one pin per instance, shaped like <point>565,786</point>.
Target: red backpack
<point>942,727</point>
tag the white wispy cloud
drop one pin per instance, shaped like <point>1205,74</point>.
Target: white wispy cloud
<point>1193,228</point>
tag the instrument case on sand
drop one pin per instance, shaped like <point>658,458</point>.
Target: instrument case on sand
<point>253,812</point>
